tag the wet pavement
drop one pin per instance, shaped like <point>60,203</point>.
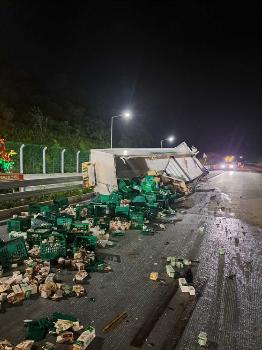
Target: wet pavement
<point>225,214</point>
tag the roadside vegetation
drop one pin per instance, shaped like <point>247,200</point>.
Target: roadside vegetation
<point>42,198</point>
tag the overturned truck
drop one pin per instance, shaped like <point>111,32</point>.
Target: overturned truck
<point>108,165</point>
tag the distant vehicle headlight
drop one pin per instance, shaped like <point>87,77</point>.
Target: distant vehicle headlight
<point>222,166</point>
<point>231,166</point>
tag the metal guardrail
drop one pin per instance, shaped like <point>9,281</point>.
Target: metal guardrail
<point>37,182</point>
<point>65,185</point>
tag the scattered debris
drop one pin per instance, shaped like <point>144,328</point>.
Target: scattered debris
<point>64,327</point>
<point>84,339</point>
<point>221,251</point>
<point>202,339</point>
<point>201,229</point>
<point>153,276</point>
<point>118,319</point>
<point>170,271</point>
<point>5,345</point>
<point>50,238</point>
<point>48,346</point>
<point>185,288</point>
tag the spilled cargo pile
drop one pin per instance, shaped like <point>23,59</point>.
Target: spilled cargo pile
<point>65,328</point>
<point>49,238</point>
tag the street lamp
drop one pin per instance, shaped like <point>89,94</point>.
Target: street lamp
<point>126,115</point>
<point>169,139</point>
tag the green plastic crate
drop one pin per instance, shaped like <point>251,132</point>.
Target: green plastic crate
<point>103,198</point>
<point>41,222</point>
<point>13,251</point>
<point>115,197</point>
<point>123,186</point>
<point>151,198</point>
<point>78,210</point>
<point>148,184</point>
<point>139,201</point>
<point>89,207</point>
<point>64,222</point>
<point>19,224</point>
<point>101,210</point>
<point>50,250</point>
<point>35,237</point>
<point>45,210</point>
<point>38,329</point>
<point>151,210</point>
<point>81,226</point>
<point>122,211</point>
<point>86,242</point>
<point>137,220</point>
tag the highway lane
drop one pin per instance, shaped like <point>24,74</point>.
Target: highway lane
<point>230,306</point>
<point>245,192</point>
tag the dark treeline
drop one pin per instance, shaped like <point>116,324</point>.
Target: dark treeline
<point>34,125</point>
<point>30,113</point>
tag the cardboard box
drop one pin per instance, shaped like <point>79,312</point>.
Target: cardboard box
<point>24,345</point>
<point>192,290</point>
<point>183,285</point>
<point>170,271</point>
<point>153,276</point>
<point>85,339</point>
<point>65,337</point>
<point>17,289</point>
<point>80,276</point>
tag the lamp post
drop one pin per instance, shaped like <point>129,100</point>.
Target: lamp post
<point>169,139</point>
<point>126,115</point>
<point>44,162</point>
<point>21,157</point>
<point>63,161</point>
<point>77,161</point>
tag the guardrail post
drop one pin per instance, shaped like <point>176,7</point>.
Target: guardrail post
<point>77,161</point>
<point>44,163</point>
<point>63,161</point>
<point>21,158</point>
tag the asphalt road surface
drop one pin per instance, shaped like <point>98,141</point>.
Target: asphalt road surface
<point>225,212</point>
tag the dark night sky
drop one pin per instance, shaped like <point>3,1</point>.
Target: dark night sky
<point>192,68</point>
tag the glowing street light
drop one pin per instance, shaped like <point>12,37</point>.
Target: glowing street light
<point>169,139</point>
<point>126,114</point>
